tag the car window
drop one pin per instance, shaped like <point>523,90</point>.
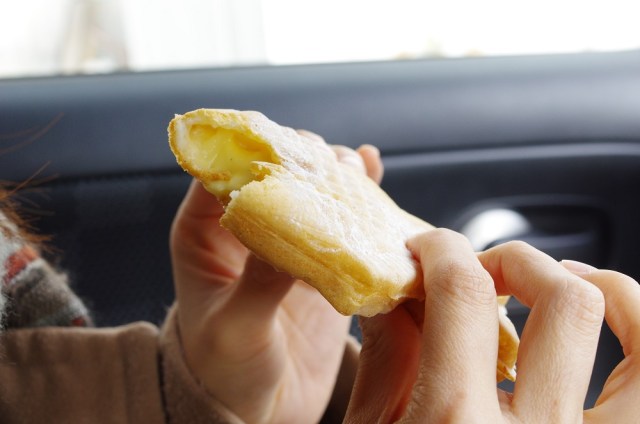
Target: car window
<point>45,37</point>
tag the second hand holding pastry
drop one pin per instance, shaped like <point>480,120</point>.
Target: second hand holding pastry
<point>266,346</point>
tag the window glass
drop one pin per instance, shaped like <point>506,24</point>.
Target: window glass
<point>43,37</point>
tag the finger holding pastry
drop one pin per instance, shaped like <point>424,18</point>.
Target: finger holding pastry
<point>366,158</point>
<point>441,352</point>
<point>460,331</point>
<point>559,340</point>
<point>371,157</point>
<point>622,303</point>
<point>388,365</point>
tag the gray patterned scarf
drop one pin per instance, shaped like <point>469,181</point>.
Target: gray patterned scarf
<point>32,292</point>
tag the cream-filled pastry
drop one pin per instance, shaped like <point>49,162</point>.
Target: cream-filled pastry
<point>291,202</point>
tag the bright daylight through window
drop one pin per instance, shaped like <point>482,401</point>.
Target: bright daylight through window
<point>43,37</point>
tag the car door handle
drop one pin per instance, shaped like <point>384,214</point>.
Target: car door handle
<point>491,226</point>
<point>563,232</point>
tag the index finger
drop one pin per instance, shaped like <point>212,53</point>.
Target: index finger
<point>622,302</point>
<point>460,332</point>
<point>560,337</point>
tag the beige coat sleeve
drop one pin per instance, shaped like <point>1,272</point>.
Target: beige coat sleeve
<point>73,375</point>
<point>188,401</point>
<point>129,374</point>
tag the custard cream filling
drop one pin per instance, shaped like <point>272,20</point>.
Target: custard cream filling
<point>224,157</point>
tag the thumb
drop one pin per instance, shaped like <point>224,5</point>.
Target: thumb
<point>387,368</point>
<point>255,299</point>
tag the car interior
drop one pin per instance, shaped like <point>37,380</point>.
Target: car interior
<point>540,148</point>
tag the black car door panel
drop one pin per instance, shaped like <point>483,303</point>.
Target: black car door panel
<point>551,141</point>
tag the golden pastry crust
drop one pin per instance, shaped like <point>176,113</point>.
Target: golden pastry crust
<point>305,212</point>
<point>508,342</point>
<point>289,200</point>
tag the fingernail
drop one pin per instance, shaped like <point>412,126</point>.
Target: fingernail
<point>370,147</point>
<point>577,267</point>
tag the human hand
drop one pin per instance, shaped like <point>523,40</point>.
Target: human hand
<point>265,345</point>
<point>435,362</point>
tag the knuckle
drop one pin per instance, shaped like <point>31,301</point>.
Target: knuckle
<point>519,248</point>
<point>471,284</point>
<point>581,301</point>
<point>445,236</point>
